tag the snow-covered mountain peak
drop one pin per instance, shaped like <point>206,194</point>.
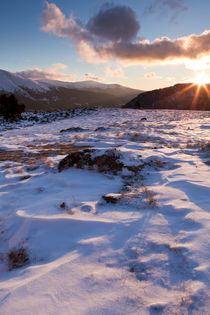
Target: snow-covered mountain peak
<point>89,84</point>
<point>13,82</point>
<point>49,94</point>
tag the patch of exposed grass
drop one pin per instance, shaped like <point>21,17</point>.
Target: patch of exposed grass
<point>29,159</point>
<point>149,197</point>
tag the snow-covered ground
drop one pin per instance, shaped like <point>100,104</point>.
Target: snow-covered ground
<point>146,253</point>
<point>31,118</point>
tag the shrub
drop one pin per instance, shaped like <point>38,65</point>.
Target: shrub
<point>17,258</point>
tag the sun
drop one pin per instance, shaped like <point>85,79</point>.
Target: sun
<point>200,79</point>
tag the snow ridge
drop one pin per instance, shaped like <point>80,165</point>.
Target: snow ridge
<point>12,82</point>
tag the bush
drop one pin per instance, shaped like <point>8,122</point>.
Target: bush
<point>17,258</point>
<point>9,107</point>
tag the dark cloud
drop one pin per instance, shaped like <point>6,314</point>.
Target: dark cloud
<point>170,8</point>
<point>116,23</point>
<point>112,23</point>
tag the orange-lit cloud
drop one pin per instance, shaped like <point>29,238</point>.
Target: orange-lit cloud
<point>114,73</point>
<point>56,66</point>
<point>151,75</point>
<point>89,54</point>
<point>91,76</point>
<point>102,39</point>
<point>54,21</point>
<point>48,74</point>
<point>160,50</point>
<point>199,64</point>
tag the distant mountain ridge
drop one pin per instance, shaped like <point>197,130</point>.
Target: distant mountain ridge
<point>180,96</point>
<point>58,95</point>
<point>12,82</point>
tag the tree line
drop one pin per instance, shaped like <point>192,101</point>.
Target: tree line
<point>10,109</point>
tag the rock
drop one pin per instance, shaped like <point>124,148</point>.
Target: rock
<point>24,177</point>
<point>63,205</point>
<point>109,161</point>
<point>132,269</point>
<point>157,307</point>
<point>206,147</point>
<point>110,198</point>
<point>73,129</point>
<point>100,129</point>
<point>78,159</point>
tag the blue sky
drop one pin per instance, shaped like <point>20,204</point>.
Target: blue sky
<point>25,46</point>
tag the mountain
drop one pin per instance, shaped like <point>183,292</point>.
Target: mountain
<point>12,82</point>
<point>53,95</point>
<point>180,96</point>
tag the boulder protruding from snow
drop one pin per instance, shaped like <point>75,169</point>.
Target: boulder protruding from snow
<point>108,161</point>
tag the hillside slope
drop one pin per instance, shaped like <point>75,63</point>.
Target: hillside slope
<point>180,96</point>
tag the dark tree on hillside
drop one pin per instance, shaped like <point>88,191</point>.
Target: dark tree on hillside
<point>9,107</point>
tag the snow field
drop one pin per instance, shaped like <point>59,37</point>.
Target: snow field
<point>148,253</point>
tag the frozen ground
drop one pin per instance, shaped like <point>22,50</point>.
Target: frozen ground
<point>32,118</point>
<point>147,253</point>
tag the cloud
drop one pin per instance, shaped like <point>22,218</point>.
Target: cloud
<point>91,76</point>
<point>160,50</point>
<point>54,21</point>
<point>170,8</point>
<point>48,74</point>
<point>112,34</point>
<point>105,25</point>
<point>170,79</point>
<point>151,75</point>
<point>51,74</point>
<point>114,73</point>
<point>199,65</point>
<point>114,23</point>
<point>56,66</point>
<point>89,53</point>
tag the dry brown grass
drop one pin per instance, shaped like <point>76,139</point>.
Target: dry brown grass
<point>140,197</point>
<point>31,159</point>
<point>149,197</point>
<point>159,163</point>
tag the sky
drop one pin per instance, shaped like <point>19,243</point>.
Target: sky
<point>143,44</point>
